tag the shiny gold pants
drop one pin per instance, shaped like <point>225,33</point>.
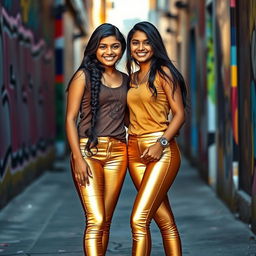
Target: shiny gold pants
<point>99,199</point>
<point>153,180</point>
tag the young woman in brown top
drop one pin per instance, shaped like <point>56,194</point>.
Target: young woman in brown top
<point>98,150</point>
<point>157,89</point>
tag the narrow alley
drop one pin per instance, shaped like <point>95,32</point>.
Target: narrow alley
<point>213,45</point>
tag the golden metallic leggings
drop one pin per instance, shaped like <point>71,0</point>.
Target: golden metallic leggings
<point>153,180</point>
<point>99,199</point>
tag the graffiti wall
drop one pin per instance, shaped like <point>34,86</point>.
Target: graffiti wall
<point>247,103</point>
<point>211,97</point>
<point>27,114</point>
<point>229,92</point>
<point>202,89</point>
<point>195,130</point>
<point>226,101</point>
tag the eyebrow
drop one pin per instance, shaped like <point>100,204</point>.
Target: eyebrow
<point>111,44</point>
<point>139,40</point>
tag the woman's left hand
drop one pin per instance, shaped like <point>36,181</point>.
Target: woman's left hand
<point>152,153</point>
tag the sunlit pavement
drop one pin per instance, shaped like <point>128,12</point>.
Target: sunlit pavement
<point>47,219</point>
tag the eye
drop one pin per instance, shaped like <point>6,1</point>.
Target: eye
<point>102,47</point>
<point>116,46</point>
<point>135,43</point>
<point>147,43</point>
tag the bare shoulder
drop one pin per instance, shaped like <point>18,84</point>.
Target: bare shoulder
<point>167,71</point>
<point>80,74</point>
<point>165,78</point>
<point>80,79</point>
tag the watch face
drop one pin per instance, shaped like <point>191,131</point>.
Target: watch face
<point>164,142</point>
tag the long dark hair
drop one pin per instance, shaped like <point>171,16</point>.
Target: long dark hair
<point>159,59</point>
<point>94,69</point>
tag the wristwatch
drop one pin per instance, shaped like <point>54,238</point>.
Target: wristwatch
<point>163,142</point>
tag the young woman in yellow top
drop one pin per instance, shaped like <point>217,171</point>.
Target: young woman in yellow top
<point>157,89</point>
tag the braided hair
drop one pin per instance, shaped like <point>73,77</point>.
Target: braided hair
<point>159,60</point>
<point>94,70</point>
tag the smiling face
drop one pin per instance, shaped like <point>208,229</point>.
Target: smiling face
<point>109,51</point>
<point>141,49</point>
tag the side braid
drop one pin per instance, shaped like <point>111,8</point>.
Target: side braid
<point>95,73</point>
<point>94,70</point>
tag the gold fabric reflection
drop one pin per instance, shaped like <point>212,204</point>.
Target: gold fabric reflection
<point>153,180</point>
<point>99,199</point>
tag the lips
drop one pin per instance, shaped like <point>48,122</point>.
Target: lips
<point>109,58</point>
<point>141,54</point>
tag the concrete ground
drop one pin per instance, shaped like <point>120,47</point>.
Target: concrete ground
<point>47,219</point>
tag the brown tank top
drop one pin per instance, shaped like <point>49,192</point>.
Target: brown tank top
<point>110,116</point>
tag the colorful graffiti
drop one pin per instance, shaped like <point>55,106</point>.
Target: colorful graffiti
<point>59,72</point>
<point>234,91</point>
<point>211,98</point>
<point>246,54</point>
<point>224,117</point>
<point>247,86</point>
<point>27,113</point>
<point>194,138</point>
<point>196,128</point>
<point>194,141</point>
<point>231,99</point>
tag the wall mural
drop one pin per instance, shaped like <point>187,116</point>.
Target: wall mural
<point>247,87</point>
<point>211,98</point>
<point>202,89</point>
<point>194,133</point>
<point>27,115</point>
<point>224,117</point>
<point>234,91</point>
<point>197,120</point>
<point>59,71</point>
<point>247,100</point>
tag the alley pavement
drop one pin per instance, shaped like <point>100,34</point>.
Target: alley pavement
<point>47,219</point>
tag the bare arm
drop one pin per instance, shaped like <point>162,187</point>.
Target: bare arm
<point>177,108</point>
<point>154,152</point>
<point>81,169</point>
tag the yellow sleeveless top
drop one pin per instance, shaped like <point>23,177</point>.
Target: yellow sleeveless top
<point>148,113</point>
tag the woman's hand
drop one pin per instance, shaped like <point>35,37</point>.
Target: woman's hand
<point>152,153</point>
<point>82,171</point>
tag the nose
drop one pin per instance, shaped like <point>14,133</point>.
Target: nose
<point>141,46</point>
<point>109,50</point>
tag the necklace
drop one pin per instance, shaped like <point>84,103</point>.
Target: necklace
<point>144,78</point>
<point>109,85</point>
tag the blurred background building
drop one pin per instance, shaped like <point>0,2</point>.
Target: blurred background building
<point>213,43</point>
